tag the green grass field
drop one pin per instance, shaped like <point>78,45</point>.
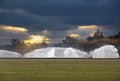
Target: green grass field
<point>59,69</point>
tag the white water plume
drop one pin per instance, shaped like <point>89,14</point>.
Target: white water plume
<point>56,52</point>
<point>9,54</point>
<point>107,51</point>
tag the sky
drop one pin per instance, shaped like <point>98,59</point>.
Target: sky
<point>56,19</point>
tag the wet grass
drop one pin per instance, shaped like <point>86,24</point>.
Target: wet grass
<point>59,69</point>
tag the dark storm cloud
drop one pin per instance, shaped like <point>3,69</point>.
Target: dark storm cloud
<point>85,11</point>
<point>88,8</point>
<point>34,22</point>
<point>64,7</point>
<point>60,15</point>
<point>12,18</point>
<point>87,20</point>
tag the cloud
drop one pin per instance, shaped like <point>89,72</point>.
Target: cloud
<point>88,27</point>
<point>92,34</point>
<point>84,31</point>
<point>74,35</point>
<point>59,14</point>
<point>45,32</point>
<point>13,29</point>
<point>54,18</point>
<point>9,32</point>
<point>36,39</point>
<point>63,7</point>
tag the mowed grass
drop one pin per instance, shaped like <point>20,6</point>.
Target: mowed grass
<point>59,69</point>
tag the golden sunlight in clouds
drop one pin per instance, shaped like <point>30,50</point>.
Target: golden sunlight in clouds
<point>92,34</point>
<point>74,35</point>
<point>36,39</point>
<point>45,32</point>
<point>88,27</point>
<point>12,28</point>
